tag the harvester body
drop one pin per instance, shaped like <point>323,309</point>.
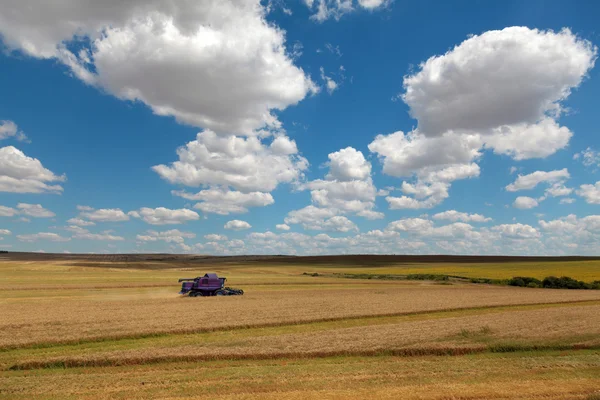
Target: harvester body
<point>208,285</point>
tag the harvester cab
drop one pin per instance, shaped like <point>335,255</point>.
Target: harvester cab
<point>208,285</point>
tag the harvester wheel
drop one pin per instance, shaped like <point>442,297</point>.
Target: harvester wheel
<point>220,293</point>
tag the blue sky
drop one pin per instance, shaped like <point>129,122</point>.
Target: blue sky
<point>300,127</point>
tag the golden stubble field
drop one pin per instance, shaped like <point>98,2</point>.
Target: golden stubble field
<point>69,330</point>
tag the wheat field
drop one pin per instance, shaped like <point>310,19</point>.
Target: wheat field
<point>76,329</point>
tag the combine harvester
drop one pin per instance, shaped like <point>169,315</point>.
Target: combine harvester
<point>207,285</point>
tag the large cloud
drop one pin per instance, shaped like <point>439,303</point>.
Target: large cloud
<point>22,174</point>
<point>216,64</point>
<point>499,78</point>
<point>500,90</point>
<point>245,164</point>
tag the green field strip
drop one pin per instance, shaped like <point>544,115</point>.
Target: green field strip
<point>78,362</point>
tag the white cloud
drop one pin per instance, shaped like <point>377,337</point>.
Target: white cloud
<point>9,129</point>
<point>589,157</point>
<point>372,4</point>
<point>213,237</point>
<point>347,188</point>
<point>164,216</point>
<point>222,201</point>
<point>81,233</point>
<point>558,189</point>
<point>567,200</point>
<point>436,162</point>
<point>453,215</point>
<point>237,225</point>
<point>80,222</point>
<point>500,90</point>
<point>282,227</point>
<point>8,211</point>
<point>222,65</point>
<point>34,210</point>
<point>411,225</point>
<point>5,232</point>
<point>591,193</point>
<point>22,174</point>
<point>105,215</point>
<point>320,219</point>
<point>529,181</point>
<point>335,9</point>
<point>499,78</point>
<point>170,236</point>
<point>348,164</point>
<point>42,236</point>
<point>405,154</point>
<point>517,231</point>
<point>525,141</point>
<point>524,202</point>
<point>246,164</point>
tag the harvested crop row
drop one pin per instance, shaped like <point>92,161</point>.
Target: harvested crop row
<point>551,328</point>
<point>58,320</point>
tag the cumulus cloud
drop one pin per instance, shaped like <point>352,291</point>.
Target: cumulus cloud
<point>170,236</point>
<point>346,189</point>
<point>8,211</point>
<point>524,202</point>
<point>453,215</point>
<point>282,227</point>
<point>591,193</point>
<point>9,129</point>
<point>517,231</point>
<point>501,90</point>
<point>237,225</point>
<point>571,232</point>
<point>80,222</point>
<point>164,216</point>
<point>222,201</point>
<point>22,174</point>
<point>529,181</point>
<point>246,164</point>
<point>104,214</point>
<point>53,237</point>
<point>499,78</point>
<point>222,65</point>
<point>34,210</point>
<point>320,219</point>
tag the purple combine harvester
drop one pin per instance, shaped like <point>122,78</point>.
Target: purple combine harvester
<point>208,285</point>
